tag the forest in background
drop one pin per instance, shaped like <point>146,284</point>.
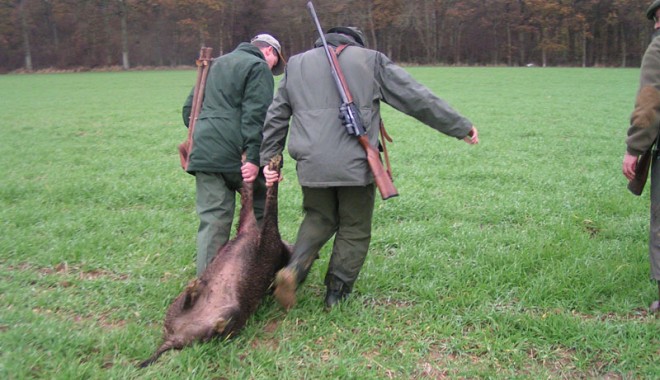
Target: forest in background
<point>81,34</point>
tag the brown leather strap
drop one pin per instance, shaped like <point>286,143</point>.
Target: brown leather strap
<point>385,137</point>
<point>340,48</point>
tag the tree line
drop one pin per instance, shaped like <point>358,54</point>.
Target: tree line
<point>73,34</point>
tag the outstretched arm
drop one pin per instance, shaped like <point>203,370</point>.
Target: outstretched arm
<point>473,136</point>
<point>401,91</point>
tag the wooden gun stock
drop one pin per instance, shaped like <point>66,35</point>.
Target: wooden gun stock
<point>636,185</point>
<point>203,65</point>
<point>381,176</point>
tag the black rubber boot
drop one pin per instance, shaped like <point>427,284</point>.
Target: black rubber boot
<point>337,292</point>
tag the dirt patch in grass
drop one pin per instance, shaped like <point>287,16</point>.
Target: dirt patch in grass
<point>66,276</point>
<point>638,314</point>
<point>388,303</point>
<point>64,269</point>
<point>269,341</point>
<point>103,320</point>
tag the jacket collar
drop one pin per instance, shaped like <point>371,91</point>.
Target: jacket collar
<point>250,49</point>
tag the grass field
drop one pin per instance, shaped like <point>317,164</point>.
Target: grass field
<point>522,257</point>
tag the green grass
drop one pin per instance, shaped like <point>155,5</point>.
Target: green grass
<point>522,257</point>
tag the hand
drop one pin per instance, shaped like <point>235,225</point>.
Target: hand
<point>629,166</point>
<point>271,176</point>
<point>473,136</point>
<point>249,171</point>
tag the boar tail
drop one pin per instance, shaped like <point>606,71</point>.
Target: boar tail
<point>168,345</point>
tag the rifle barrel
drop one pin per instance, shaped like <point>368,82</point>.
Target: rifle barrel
<point>335,75</point>
<point>382,179</point>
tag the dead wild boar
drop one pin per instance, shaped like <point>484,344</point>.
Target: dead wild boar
<point>219,302</point>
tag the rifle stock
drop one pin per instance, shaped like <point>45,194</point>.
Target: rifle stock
<point>636,185</point>
<point>381,176</point>
<point>351,115</point>
<point>203,65</point>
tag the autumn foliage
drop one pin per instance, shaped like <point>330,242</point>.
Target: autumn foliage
<point>65,34</point>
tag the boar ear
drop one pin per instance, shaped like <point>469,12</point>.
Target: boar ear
<point>221,325</point>
<point>191,294</point>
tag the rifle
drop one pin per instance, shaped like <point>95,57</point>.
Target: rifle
<point>636,185</point>
<point>203,64</point>
<point>352,120</point>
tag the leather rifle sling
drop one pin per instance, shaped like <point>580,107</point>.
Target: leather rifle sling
<point>383,133</point>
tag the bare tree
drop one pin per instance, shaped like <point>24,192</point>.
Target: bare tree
<point>25,32</point>
<point>71,33</point>
<point>123,14</point>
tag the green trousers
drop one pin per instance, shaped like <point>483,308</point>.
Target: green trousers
<point>346,213</point>
<point>216,203</point>
<point>654,241</point>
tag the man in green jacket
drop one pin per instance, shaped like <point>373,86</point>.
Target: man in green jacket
<point>239,89</point>
<point>337,185</point>
<point>642,135</point>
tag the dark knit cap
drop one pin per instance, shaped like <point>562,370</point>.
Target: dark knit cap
<point>650,12</point>
<point>353,31</point>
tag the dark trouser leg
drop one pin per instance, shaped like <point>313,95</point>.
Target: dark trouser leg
<point>356,206</point>
<point>351,242</point>
<point>317,227</point>
<point>654,239</point>
<point>215,207</point>
<point>216,197</point>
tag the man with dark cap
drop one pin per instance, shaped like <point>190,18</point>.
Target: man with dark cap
<point>642,135</point>
<point>337,184</point>
<point>239,89</point>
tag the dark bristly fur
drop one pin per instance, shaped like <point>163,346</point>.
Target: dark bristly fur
<point>229,291</point>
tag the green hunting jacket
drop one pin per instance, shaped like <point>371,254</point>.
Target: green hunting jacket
<point>239,89</point>
<point>645,118</point>
<point>306,107</point>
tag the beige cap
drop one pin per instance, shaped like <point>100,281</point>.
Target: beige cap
<point>270,40</point>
